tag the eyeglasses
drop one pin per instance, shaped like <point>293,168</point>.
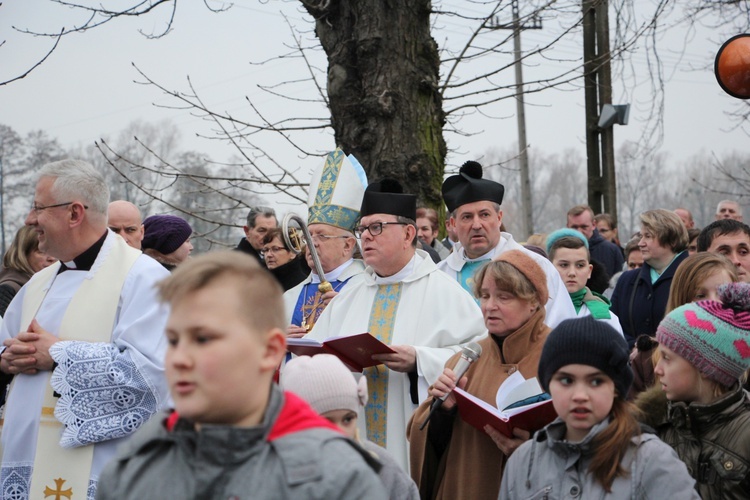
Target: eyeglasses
<point>36,208</point>
<point>375,228</point>
<point>320,238</point>
<point>274,249</point>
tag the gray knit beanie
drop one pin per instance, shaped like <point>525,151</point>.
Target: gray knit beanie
<point>324,382</point>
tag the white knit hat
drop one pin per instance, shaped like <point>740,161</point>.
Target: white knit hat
<point>325,383</point>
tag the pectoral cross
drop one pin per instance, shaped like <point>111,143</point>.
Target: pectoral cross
<point>59,492</point>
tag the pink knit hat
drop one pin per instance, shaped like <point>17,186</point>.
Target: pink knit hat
<point>713,336</point>
<point>325,383</point>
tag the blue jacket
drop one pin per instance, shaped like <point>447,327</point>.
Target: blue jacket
<point>638,303</point>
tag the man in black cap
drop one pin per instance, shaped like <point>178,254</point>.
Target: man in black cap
<point>474,204</point>
<point>407,303</point>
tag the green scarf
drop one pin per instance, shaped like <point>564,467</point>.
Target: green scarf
<point>597,304</point>
<point>577,298</point>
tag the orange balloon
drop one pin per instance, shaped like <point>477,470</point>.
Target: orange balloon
<point>732,66</point>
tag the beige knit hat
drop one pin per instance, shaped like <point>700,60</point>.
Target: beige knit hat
<point>325,383</point>
<point>529,268</point>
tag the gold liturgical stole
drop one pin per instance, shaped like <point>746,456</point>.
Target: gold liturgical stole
<point>90,317</point>
<point>382,320</point>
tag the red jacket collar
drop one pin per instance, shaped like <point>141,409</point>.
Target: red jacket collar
<point>295,416</point>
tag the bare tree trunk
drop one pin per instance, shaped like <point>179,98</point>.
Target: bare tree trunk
<point>383,67</point>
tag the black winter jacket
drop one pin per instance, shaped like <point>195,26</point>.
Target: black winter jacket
<point>606,253</point>
<point>638,303</point>
<point>713,440</point>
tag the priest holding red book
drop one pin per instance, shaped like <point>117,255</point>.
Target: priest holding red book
<point>407,303</point>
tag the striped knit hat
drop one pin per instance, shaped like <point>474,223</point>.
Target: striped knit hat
<point>713,336</point>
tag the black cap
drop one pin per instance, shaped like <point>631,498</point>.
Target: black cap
<point>387,196</point>
<point>468,186</point>
<point>587,341</point>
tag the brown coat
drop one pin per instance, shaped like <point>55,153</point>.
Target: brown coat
<point>472,465</point>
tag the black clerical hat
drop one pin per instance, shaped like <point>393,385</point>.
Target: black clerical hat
<point>468,186</point>
<point>387,196</point>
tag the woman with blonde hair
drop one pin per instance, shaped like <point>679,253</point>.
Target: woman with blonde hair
<point>640,296</point>
<point>449,457</point>
<point>22,259</point>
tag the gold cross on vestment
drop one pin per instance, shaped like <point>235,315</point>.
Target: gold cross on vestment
<point>59,492</point>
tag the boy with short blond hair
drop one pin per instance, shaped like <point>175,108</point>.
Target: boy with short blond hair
<point>233,432</point>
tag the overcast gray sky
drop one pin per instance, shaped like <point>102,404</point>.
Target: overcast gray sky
<point>86,89</point>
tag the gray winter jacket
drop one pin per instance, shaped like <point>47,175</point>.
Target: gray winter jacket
<point>397,482</point>
<point>547,467</point>
<point>241,463</point>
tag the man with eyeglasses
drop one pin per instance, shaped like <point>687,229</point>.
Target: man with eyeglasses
<point>82,341</point>
<point>335,196</point>
<point>259,221</point>
<point>407,303</point>
<point>474,205</point>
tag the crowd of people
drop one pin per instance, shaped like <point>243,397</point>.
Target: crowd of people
<point>131,369</point>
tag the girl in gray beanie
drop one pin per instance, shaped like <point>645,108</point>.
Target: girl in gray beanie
<point>595,448</point>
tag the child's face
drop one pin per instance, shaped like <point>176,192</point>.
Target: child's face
<point>709,289</point>
<point>214,359</point>
<point>582,396</point>
<point>346,420</point>
<point>679,379</point>
<point>573,266</point>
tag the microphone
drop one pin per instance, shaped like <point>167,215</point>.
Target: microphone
<point>469,354</point>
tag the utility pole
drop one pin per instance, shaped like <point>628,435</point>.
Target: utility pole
<point>523,146</point>
<point>600,150</point>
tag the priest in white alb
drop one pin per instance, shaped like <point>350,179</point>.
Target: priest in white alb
<point>407,303</point>
<point>83,343</point>
<point>333,204</point>
<point>474,205</point>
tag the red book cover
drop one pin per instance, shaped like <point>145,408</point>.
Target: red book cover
<point>354,350</point>
<point>478,413</point>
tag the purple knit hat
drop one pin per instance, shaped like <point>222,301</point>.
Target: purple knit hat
<point>713,336</point>
<point>165,233</point>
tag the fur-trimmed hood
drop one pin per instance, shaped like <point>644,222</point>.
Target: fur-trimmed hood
<point>653,404</point>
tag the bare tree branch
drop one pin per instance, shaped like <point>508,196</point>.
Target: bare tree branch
<point>38,63</point>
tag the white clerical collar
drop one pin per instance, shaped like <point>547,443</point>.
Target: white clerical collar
<point>488,256</point>
<point>402,274</point>
<point>333,275</point>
